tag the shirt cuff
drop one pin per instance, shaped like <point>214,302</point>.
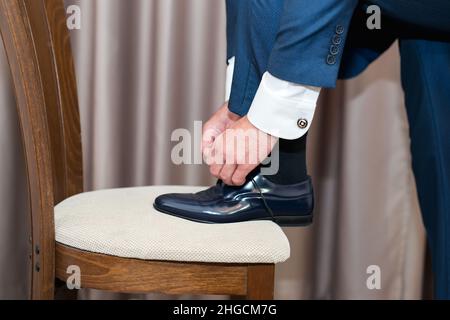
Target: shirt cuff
<point>229,78</point>
<point>283,109</point>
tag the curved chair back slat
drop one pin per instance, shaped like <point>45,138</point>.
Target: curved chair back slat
<point>37,45</point>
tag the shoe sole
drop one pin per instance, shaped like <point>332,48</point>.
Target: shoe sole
<point>282,221</point>
<point>289,221</point>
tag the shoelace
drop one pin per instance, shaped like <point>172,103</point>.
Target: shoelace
<point>263,199</point>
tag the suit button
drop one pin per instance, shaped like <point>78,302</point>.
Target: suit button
<point>339,29</point>
<point>331,59</point>
<point>336,39</point>
<point>302,123</point>
<point>334,50</point>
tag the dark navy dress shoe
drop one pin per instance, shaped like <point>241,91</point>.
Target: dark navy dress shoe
<point>257,199</point>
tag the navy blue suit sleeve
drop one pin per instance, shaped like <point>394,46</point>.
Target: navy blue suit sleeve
<point>310,41</point>
<point>232,16</point>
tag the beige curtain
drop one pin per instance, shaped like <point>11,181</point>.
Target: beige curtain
<point>147,67</point>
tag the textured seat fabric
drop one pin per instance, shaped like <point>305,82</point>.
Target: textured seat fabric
<point>123,223</point>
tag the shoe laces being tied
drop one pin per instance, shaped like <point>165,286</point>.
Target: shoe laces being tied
<point>255,185</point>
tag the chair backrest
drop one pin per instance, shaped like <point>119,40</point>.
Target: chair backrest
<point>37,45</point>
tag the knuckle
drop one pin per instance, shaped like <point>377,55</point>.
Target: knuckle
<point>213,171</point>
<point>236,180</point>
<point>223,176</point>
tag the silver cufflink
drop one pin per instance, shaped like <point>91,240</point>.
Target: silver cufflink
<point>302,123</point>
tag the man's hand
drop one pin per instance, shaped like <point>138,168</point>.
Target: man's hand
<point>216,125</point>
<point>239,150</point>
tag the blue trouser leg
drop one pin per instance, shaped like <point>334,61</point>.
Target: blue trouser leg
<point>426,82</point>
<point>251,32</point>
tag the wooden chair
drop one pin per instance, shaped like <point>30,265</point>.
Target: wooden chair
<point>37,45</point>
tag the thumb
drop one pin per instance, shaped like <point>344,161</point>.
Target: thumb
<point>209,135</point>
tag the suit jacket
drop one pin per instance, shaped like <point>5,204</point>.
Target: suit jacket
<point>315,42</point>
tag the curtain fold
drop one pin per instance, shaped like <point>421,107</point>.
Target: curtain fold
<point>147,67</point>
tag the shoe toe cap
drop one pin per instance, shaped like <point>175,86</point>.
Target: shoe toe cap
<point>176,203</point>
<point>165,201</point>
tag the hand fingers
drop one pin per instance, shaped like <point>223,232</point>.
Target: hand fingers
<point>241,173</point>
<point>227,172</point>
<point>215,169</point>
<point>216,158</point>
<point>208,137</point>
<point>208,155</point>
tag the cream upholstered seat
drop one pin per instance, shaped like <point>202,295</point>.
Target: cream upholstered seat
<point>123,223</point>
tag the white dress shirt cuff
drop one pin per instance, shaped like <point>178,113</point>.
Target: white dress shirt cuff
<point>283,109</point>
<point>229,78</point>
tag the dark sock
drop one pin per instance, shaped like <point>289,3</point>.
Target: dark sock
<point>292,168</point>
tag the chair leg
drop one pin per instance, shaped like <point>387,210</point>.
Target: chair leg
<point>260,282</point>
